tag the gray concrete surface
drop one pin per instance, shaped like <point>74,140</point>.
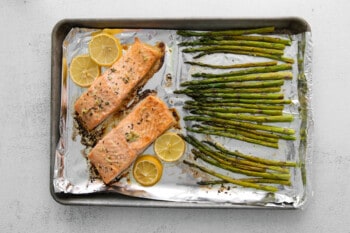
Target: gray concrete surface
<point>25,201</point>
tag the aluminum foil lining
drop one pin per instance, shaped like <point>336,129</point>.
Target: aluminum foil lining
<point>72,171</point>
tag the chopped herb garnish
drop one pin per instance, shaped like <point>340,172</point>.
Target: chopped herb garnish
<point>131,136</point>
<point>125,79</point>
<point>145,58</point>
<point>98,101</point>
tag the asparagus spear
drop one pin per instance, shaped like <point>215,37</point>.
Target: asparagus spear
<point>245,101</point>
<point>250,157</point>
<point>237,85</point>
<point>236,166</point>
<point>241,171</point>
<point>244,65</point>
<point>242,90</point>
<point>265,69</point>
<point>231,180</point>
<point>248,125</point>
<point>254,106</point>
<point>249,53</point>
<point>249,77</point>
<point>235,110</point>
<point>243,117</point>
<point>262,133</point>
<point>208,151</point>
<point>233,48</point>
<point>259,44</point>
<point>230,90</point>
<point>243,133</point>
<point>250,38</point>
<point>259,96</point>
<point>234,136</point>
<point>238,132</point>
<point>250,180</point>
<point>226,32</point>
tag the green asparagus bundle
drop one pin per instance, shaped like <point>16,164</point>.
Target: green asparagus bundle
<point>239,104</point>
<point>216,153</point>
<point>234,136</point>
<point>231,180</point>
<point>222,158</point>
<point>237,42</point>
<point>216,150</point>
<point>242,130</point>
<point>250,157</point>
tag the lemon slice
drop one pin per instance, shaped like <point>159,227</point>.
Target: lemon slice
<point>105,49</point>
<point>83,70</point>
<point>169,147</point>
<point>147,170</point>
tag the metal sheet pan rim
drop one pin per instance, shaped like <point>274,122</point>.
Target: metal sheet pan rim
<point>176,23</point>
<point>65,25</point>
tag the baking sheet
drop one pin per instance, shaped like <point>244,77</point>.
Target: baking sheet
<point>71,174</point>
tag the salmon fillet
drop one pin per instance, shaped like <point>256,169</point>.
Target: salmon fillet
<point>111,91</point>
<point>119,148</point>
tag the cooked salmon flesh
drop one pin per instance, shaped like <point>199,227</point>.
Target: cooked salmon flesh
<point>111,91</point>
<point>114,153</point>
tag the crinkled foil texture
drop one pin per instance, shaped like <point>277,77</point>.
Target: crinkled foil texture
<point>178,183</point>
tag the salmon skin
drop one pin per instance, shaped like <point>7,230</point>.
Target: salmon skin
<point>112,90</point>
<point>115,152</point>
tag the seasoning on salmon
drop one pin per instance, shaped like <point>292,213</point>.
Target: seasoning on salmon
<point>114,153</point>
<point>111,91</point>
